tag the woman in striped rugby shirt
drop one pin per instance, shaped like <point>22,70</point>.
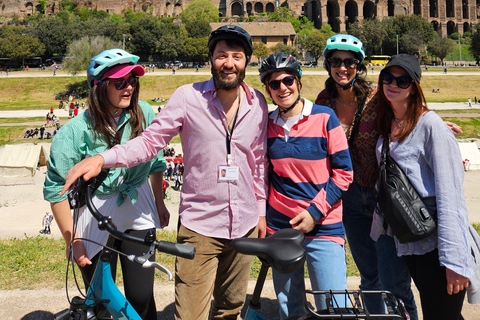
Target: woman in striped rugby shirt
<point>311,169</point>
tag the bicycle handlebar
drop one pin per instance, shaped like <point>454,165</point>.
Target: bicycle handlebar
<point>86,189</point>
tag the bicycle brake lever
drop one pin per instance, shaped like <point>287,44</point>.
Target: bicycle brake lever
<point>157,265</point>
<point>148,264</point>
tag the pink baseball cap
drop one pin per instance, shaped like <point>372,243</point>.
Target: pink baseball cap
<point>123,69</point>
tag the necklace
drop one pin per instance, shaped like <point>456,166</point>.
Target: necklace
<point>399,122</point>
<point>353,101</point>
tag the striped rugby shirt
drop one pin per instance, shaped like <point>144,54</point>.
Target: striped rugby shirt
<point>311,170</point>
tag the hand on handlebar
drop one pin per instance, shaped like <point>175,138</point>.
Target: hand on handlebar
<point>88,168</point>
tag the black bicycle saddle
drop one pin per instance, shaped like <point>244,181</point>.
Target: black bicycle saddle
<point>282,250</point>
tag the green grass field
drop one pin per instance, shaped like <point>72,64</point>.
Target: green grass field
<point>40,93</point>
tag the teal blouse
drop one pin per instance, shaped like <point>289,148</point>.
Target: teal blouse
<point>76,138</point>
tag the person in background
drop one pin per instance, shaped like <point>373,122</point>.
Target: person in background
<point>229,119</point>
<point>426,149</point>
<point>311,168</point>
<point>115,115</point>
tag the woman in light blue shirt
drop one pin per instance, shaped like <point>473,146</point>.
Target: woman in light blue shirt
<point>426,150</point>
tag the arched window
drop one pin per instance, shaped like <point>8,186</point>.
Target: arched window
<point>237,9</point>
<point>270,7</point>
<point>369,10</point>
<point>258,7</point>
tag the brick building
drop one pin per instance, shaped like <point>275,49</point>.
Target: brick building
<point>446,16</point>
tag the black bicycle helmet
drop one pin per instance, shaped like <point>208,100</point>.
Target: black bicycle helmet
<point>231,32</point>
<point>278,62</point>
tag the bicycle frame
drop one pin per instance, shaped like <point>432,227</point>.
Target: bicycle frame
<point>283,251</point>
<point>102,289</point>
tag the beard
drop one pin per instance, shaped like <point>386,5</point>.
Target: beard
<point>226,84</point>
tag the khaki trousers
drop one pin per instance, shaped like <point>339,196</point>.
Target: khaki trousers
<point>217,270</point>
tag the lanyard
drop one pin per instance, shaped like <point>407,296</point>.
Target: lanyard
<point>229,134</point>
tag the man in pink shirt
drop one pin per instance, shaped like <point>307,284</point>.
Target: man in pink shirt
<point>222,125</point>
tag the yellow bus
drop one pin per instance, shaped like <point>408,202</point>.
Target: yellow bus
<point>377,60</point>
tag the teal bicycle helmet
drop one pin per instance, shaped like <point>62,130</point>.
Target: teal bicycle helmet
<point>278,62</point>
<point>106,60</point>
<point>344,42</point>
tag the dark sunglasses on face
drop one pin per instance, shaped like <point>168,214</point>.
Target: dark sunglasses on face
<point>122,83</point>
<point>349,63</point>
<point>275,84</point>
<point>403,82</point>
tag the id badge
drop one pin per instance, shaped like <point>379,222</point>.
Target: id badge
<point>228,173</point>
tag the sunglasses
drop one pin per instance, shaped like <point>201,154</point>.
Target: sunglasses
<point>122,83</point>
<point>349,63</point>
<point>403,82</point>
<point>275,84</point>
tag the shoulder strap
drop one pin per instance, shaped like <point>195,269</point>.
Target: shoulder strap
<point>119,133</point>
<point>356,122</point>
<point>385,149</point>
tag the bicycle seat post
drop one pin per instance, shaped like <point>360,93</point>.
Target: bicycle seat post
<point>262,276</point>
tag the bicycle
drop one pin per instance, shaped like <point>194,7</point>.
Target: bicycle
<point>103,290</point>
<point>283,251</point>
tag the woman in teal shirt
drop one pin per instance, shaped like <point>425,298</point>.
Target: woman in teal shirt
<point>115,115</point>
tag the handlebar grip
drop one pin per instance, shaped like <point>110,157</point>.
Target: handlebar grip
<point>181,250</point>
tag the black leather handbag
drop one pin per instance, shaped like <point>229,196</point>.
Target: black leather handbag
<point>402,207</point>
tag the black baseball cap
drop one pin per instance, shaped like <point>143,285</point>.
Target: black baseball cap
<point>408,63</point>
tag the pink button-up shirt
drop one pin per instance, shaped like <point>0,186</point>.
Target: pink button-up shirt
<point>226,210</point>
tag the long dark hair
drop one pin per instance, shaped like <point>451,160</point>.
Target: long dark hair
<point>101,120</point>
<point>361,86</point>
<point>417,106</point>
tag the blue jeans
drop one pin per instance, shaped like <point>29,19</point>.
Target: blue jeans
<point>379,266</point>
<point>327,270</point>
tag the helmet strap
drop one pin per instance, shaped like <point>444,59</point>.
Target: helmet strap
<point>285,110</point>
<point>117,108</point>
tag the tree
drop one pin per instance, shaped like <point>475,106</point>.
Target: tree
<point>260,50</point>
<point>204,10</point>
<point>195,49</point>
<point>280,47</point>
<point>146,32</point>
<point>198,28</point>
<point>412,41</point>
<point>475,43</point>
<point>81,51</point>
<point>400,26</point>
<point>315,43</point>
<point>441,47</point>
<point>280,14</point>
<point>371,33</point>
<point>170,43</point>
<point>18,46</point>
<point>55,34</point>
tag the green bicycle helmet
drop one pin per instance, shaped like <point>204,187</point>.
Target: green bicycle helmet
<point>106,60</point>
<point>278,62</point>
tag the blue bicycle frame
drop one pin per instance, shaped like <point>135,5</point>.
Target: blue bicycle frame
<point>102,288</point>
